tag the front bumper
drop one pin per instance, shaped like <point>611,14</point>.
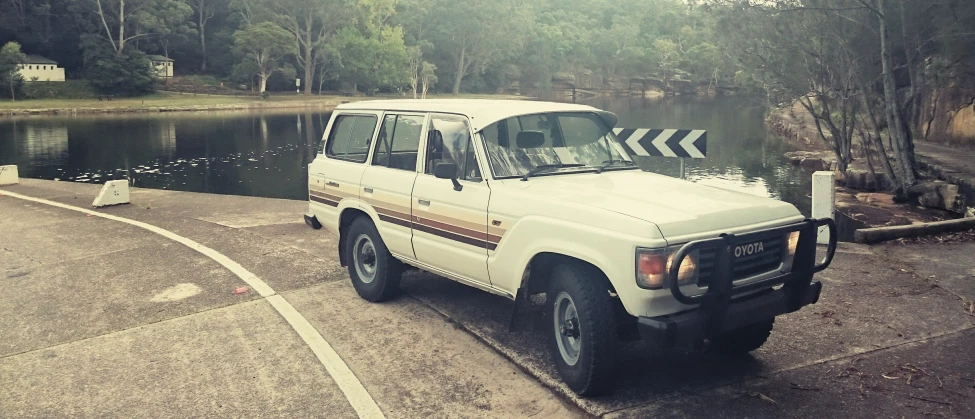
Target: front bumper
<point>694,326</point>
<point>726,306</point>
<point>312,221</point>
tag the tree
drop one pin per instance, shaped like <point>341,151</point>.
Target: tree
<point>127,74</point>
<point>310,23</point>
<point>474,44</point>
<point>204,10</point>
<point>371,63</point>
<point>10,60</point>
<point>263,46</point>
<point>126,20</point>
<point>428,76</point>
<point>415,56</point>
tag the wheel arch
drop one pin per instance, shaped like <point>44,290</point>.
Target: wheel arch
<point>346,217</point>
<point>538,275</point>
<point>538,271</point>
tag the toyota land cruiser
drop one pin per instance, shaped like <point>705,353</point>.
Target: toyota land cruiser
<point>520,198</point>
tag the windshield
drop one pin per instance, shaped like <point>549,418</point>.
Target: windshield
<point>563,141</point>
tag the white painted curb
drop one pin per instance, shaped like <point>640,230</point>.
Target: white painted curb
<point>114,192</point>
<point>9,175</point>
<point>823,201</point>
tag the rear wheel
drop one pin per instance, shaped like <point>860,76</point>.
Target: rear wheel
<point>583,328</point>
<point>375,273</point>
<point>744,339</point>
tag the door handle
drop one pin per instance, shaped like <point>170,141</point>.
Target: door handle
<point>367,190</point>
<point>423,202</point>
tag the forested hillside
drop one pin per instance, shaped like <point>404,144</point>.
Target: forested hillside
<point>469,45</point>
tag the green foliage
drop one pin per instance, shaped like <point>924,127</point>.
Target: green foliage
<point>368,63</point>
<point>128,73</point>
<point>497,44</point>
<point>10,60</point>
<point>68,89</point>
<point>262,49</point>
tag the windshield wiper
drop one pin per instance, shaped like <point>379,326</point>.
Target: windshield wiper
<point>608,163</point>
<point>545,167</point>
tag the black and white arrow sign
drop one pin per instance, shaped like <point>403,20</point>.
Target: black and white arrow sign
<point>664,142</point>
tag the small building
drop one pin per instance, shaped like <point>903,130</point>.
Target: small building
<point>37,68</point>
<point>162,65</point>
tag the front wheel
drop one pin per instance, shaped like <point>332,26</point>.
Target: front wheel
<point>375,273</point>
<point>583,331</point>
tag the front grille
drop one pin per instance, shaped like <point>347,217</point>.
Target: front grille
<point>744,266</point>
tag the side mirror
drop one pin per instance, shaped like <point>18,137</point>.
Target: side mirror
<point>447,171</point>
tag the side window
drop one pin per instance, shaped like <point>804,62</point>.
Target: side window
<point>399,142</point>
<point>350,137</point>
<point>449,141</point>
<point>380,157</point>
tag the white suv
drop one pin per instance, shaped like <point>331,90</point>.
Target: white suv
<point>520,198</point>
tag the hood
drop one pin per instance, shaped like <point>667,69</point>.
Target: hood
<point>678,208</point>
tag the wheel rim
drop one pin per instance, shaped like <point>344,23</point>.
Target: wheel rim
<point>568,333</point>
<point>364,257</point>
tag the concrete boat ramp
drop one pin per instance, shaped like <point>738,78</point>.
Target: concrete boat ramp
<point>188,305</point>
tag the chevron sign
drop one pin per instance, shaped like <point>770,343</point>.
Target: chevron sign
<point>664,142</point>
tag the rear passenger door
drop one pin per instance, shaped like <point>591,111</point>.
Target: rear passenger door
<point>450,226</point>
<point>335,173</point>
<point>387,183</point>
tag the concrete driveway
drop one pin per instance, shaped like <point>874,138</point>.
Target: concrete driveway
<point>105,318</point>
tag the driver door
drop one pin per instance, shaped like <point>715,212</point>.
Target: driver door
<point>450,226</point>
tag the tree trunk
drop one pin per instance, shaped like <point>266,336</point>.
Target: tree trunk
<point>895,125</point>
<point>459,75</point>
<point>13,97</point>
<point>203,46</point>
<point>121,27</point>
<point>263,81</point>
<point>309,58</point>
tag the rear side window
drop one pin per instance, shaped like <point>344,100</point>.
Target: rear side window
<point>350,137</point>
<point>399,142</point>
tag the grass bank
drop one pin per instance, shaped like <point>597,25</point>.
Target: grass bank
<point>168,102</point>
<point>162,102</point>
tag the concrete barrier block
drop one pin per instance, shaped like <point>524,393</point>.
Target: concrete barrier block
<point>823,201</point>
<point>9,175</point>
<point>114,192</point>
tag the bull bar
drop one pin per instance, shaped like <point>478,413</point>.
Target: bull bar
<point>717,312</point>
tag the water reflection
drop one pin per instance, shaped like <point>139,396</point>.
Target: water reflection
<point>741,154</point>
<point>230,153</point>
<point>266,154</point>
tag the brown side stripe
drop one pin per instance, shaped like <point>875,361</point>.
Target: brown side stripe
<point>323,200</point>
<point>450,236</point>
<point>394,220</point>
<point>448,231</point>
<point>325,195</point>
<point>473,234</point>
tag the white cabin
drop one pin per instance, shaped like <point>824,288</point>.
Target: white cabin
<point>37,68</point>
<point>162,65</point>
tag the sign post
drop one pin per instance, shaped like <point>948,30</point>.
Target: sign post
<point>683,143</point>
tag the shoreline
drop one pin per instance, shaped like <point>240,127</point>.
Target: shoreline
<point>166,102</point>
<point>257,105</point>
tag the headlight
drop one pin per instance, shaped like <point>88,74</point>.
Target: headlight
<point>791,243</point>
<point>653,267</point>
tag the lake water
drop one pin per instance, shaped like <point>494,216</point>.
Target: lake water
<point>266,154</point>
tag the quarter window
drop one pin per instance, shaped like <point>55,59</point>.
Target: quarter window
<point>399,142</point>
<point>449,141</point>
<point>350,137</point>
